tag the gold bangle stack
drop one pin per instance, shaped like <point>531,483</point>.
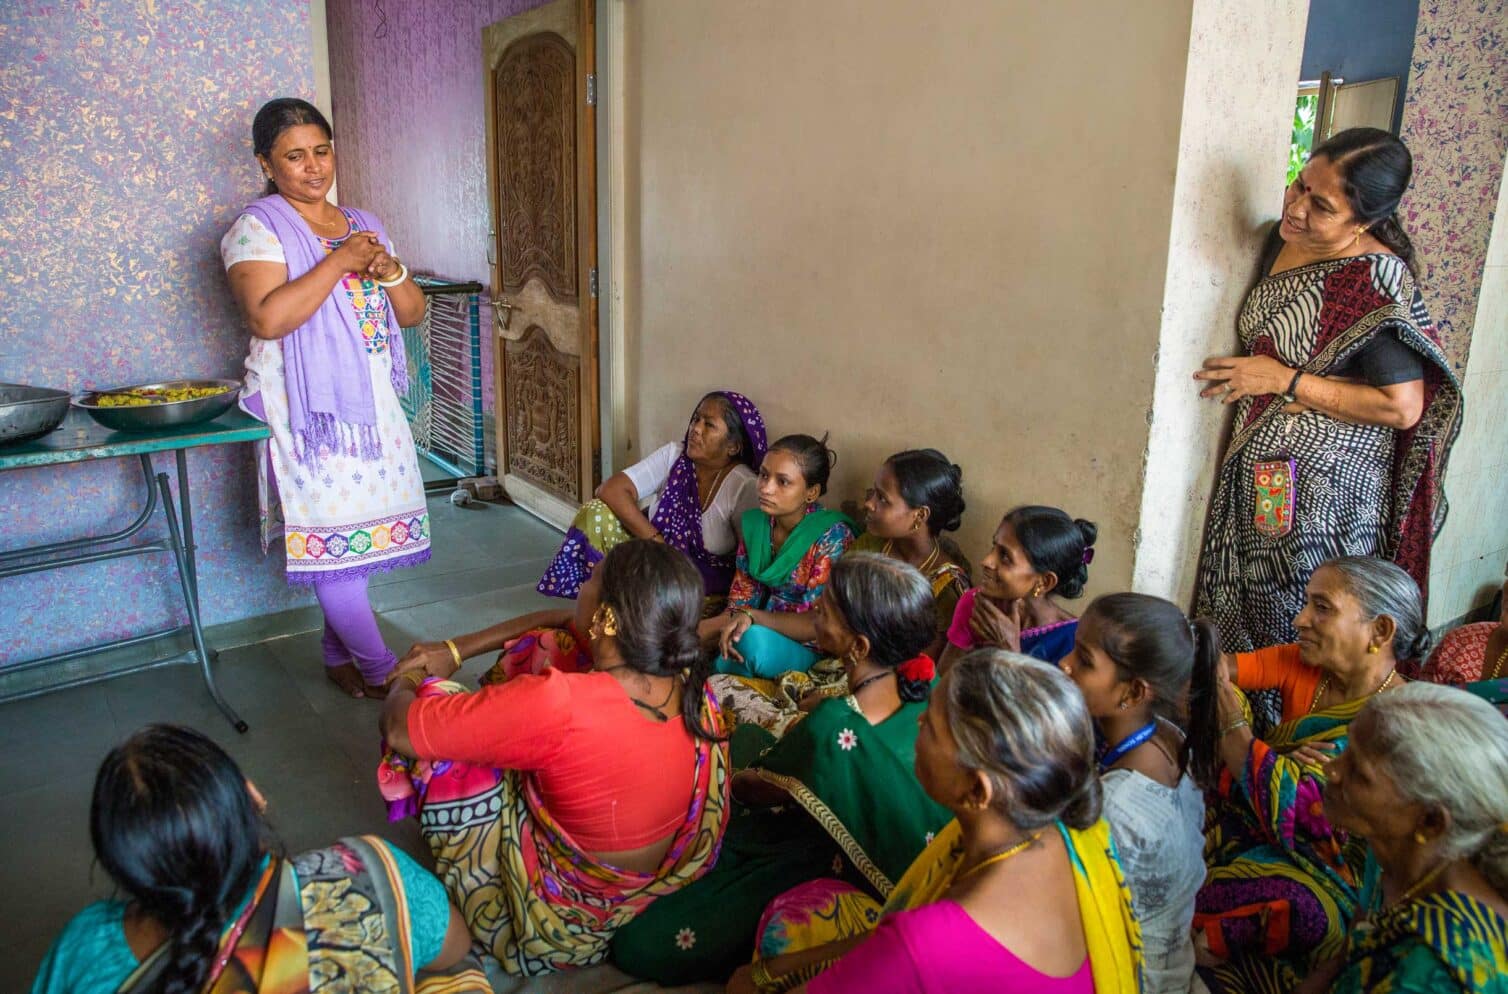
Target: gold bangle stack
<point>455,653</point>
<point>1238,723</point>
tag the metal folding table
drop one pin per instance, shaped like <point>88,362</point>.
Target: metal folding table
<point>79,439</point>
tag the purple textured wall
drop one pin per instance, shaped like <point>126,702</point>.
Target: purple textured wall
<point>406,83</point>
<point>1455,122</point>
<point>125,152</point>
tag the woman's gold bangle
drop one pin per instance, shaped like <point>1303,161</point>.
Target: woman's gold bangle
<point>1238,723</point>
<point>454,652</point>
<point>414,678</point>
<point>388,284</point>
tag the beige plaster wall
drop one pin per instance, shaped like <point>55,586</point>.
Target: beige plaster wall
<point>1232,152</point>
<point>911,230</point>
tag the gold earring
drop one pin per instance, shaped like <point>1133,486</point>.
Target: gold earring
<point>604,623</point>
<point>1372,650</point>
<point>1420,839</point>
<point>1037,590</point>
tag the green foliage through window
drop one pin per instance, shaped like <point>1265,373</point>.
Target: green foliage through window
<point>1303,133</point>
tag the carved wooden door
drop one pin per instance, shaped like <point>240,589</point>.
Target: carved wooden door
<point>542,177</point>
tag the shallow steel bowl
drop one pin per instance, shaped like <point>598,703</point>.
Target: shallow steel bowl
<point>147,417</point>
<point>29,412</point>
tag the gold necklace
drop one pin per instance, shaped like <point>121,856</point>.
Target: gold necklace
<point>1324,685</point>
<point>323,224</point>
<point>1419,885</point>
<point>712,490</point>
<point>889,550</point>
<point>999,857</point>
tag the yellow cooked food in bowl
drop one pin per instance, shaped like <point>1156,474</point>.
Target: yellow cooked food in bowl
<point>141,398</point>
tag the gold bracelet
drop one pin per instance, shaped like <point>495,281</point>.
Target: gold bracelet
<point>454,652</point>
<point>388,284</point>
<point>414,677</point>
<point>759,975</point>
<point>1238,723</point>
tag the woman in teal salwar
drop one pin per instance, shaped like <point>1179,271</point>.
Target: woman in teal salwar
<point>784,559</point>
<point>837,796</point>
<point>1425,780</point>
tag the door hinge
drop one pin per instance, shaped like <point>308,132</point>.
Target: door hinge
<point>591,281</point>
<point>591,89</point>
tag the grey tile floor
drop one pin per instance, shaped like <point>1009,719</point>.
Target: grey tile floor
<point>312,751</point>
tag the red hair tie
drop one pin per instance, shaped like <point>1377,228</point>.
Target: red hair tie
<point>918,670</point>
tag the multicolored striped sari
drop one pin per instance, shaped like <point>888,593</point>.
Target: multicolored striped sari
<point>1283,883</point>
<point>330,919</point>
<point>1442,942</point>
<point>526,889</point>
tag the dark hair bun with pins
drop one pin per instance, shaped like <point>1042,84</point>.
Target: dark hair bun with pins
<point>656,592</point>
<point>1057,544</point>
<point>926,478</point>
<point>813,455</point>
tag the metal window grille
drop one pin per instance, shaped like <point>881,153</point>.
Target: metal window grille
<point>444,353</point>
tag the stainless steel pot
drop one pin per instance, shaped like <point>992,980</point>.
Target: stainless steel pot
<point>29,412</point>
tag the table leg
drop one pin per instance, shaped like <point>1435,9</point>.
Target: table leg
<point>186,510</point>
<point>191,601</point>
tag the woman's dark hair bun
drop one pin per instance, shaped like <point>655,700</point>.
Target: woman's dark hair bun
<point>926,478</point>
<point>656,593</point>
<point>1057,544</point>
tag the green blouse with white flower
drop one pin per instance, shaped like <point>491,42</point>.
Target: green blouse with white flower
<point>856,813</point>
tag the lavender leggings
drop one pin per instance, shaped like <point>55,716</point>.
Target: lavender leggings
<point>351,629</point>
<point>351,633</point>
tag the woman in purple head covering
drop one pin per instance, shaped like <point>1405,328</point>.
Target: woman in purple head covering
<point>324,296</point>
<point>688,494</point>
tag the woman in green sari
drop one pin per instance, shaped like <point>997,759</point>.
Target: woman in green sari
<point>1425,780</point>
<point>784,559</point>
<point>836,797</point>
<point>1283,882</point>
<point>917,496</point>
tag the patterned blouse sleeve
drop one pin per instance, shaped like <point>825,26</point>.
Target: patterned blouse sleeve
<point>745,592</point>
<point>817,565</point>
<point>248,240</point>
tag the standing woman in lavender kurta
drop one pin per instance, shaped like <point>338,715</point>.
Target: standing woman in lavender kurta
<point>338,482</point>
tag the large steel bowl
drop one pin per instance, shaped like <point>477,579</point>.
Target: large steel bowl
<point>29,412</point>
<point>147,417</point>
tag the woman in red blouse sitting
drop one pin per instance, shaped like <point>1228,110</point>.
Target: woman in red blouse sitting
<point>560,805</point>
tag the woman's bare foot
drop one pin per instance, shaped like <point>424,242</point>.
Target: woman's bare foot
<point>348,678</point>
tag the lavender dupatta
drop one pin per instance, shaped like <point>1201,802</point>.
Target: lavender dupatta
<point>679,514</point>
<point>325,366</point>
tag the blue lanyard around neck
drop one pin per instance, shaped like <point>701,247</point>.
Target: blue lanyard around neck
<point>1118,752</point>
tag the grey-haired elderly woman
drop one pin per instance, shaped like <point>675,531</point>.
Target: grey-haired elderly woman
<point>1283,883</point>
<point>1425,780</point>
